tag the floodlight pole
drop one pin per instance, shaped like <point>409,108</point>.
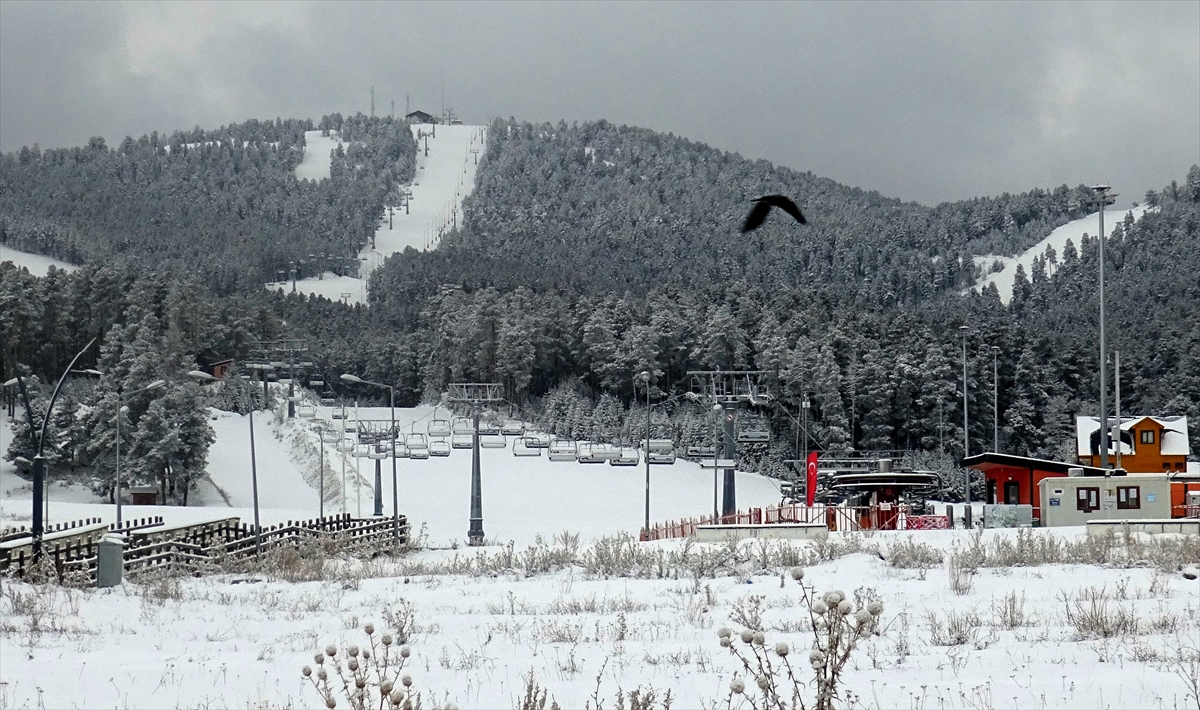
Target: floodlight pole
<point>645,378</point>
<point>962,329</point>
<point>1104,198</point>
<point>995,400</point>
<point>392,441</point>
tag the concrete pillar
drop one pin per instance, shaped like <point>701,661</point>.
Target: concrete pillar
<point>110,561</point>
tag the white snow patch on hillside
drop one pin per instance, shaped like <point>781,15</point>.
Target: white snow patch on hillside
<point>444,178</point>
<point>318,156</point>
<point>1058,239</point>
<point>346,289</point>
<point>37,264</point>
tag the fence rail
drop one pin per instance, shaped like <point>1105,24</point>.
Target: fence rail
<point>835,517</point>
<point>151,546</point>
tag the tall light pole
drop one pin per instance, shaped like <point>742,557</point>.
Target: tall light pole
<point>1103,198</point>
<point>157,384</point>
<point>962,329</point>
<point>995,399</point>
<point>39,461</point>
<point>392,434</point>
<point>644,377</point>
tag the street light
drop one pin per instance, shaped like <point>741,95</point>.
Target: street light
<point>995,400</point>
<point>1103,198</point>
<point>157,384</point>
<point>352,379</point>
<point>962,329</point>
<point>644,376</point>
<point>205,377</point>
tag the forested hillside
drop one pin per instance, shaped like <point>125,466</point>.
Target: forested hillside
<point>224,203</point>
<point>591,253</point>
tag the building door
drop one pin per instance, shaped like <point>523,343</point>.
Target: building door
<point>1012,493</point>
<point>1088,499</point>
<point>991,491</point>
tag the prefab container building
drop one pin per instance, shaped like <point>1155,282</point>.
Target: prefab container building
<point>1078,499</point>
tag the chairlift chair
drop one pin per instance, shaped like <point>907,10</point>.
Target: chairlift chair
<point>512,428</point>
<point>439,428</point>
<point>439,447</point>
<point>306,410</point>
<point>328,401</point>
<point>625,457</point>
<point>339,414</point>
<point>317,382</point>
<point>351,427</point>
<point>345,445</point>
<point>493,441</point>
<point>562,450</point>
<point>700,452</point>
<point>362,451</point>
<point>418,446</point>
<point>521,447</point>
<point>537,440</point>
<point>489,428</point>
<point>377,452</point>
<point>753,436</point>
<point>590,453</point>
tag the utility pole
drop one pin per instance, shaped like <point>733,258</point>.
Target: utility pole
<point>1103,198</point>
<point>995,400</point>
<point>962,329</point>
<point>1117,395</point>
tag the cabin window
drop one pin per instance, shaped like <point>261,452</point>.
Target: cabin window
<point>1087,499</point>
<point>1128,498</point>
<point>1147,436</point>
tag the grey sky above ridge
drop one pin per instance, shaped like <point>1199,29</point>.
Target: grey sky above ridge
<point>927,102</point>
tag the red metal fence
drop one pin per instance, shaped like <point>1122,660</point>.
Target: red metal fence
<point>835,517</point>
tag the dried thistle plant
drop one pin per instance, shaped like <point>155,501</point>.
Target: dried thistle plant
<point>370,677</point>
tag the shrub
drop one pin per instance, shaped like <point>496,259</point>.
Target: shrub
<point>370,678</point>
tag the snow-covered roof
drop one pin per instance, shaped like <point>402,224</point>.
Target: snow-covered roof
<point>1174,440</point>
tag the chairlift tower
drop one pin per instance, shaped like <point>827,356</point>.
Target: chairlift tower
<point>730,389</point>
<point>476,395</point>
<point>278,353</point>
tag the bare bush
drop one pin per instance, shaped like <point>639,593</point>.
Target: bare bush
<point>962,577</point>
<point>956,630</point>
<point>910,554</point>
<point>1093,615</point>
<point>1010,611</point>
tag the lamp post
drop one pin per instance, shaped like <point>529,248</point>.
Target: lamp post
<point>995,399</point>
<point>962,329</point>
<point>157,384</point>
<point>644,376</point>
<point>1103,198</point>
<point>804,405</point>
<point>351,379</point>
<point>39,461</point>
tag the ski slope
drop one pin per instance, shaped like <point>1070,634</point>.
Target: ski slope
<point>522,497</point>
<point>444,178</point>
<point>37,264</point>
<point>1058,239</point>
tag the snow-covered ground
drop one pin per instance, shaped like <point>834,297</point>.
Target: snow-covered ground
<point>240,640</point>
<point>37,264</point>
<point>444,178</point>
<point>1073,230</point>
<point>522,497</point>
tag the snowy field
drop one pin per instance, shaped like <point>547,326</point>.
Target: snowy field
<point>444,178</point>
<point>37,264</point>
<point>1058,239</point>
<point>1024,633</point>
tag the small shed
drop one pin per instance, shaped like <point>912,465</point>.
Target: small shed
<point>143,495</point>
<point>1078,499</point>
<point>421,117</point>
<point>220,369</point>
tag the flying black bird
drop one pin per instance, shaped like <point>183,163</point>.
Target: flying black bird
<point>762,207</point>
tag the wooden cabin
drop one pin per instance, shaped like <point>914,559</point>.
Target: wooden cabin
<point>1147,445</point>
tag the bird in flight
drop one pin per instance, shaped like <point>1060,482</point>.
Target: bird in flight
<point>762,207</point>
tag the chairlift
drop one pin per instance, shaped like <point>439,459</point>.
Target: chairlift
<point>345,445</point>
<point>351,427</point>
<point>318,382</point>
<point>494,440</point>
<point>625,457</point>
<point>754,436</point>
<point>488,428</point>
<point>328,402</point>
<point>377,452</point>
<point>418,446</point>
<point>400,450</point>
<point>537,440</point>
<point>521,447</point>
<point>661,458</point>
<point>439,447</point>
<point>339,414</point>
<point>330,437</point>
<point>306,410</point>
<point>701,452</point>
<point>590,453</point>
<point>462,441</point>
<point>512,428</point>
<point>562,450</point>
<point>439,428</point>
<point>463,425</point>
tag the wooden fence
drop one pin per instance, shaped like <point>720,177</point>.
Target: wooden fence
<point>189,548</point>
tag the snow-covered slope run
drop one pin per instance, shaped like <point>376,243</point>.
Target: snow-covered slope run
<point>444,178</point>
<point>37,264</point>
<point>522,497</point>
<point>1058,239</point>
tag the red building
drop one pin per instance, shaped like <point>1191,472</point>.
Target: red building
<point>1013,480</point>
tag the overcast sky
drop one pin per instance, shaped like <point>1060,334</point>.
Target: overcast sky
<point>928,102</point>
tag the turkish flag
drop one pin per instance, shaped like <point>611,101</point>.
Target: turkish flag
<point>811,469</point>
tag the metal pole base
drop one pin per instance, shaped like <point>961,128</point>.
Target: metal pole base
<point>475,534</point>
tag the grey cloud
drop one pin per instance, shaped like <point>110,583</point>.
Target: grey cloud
<point>922,101</point>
